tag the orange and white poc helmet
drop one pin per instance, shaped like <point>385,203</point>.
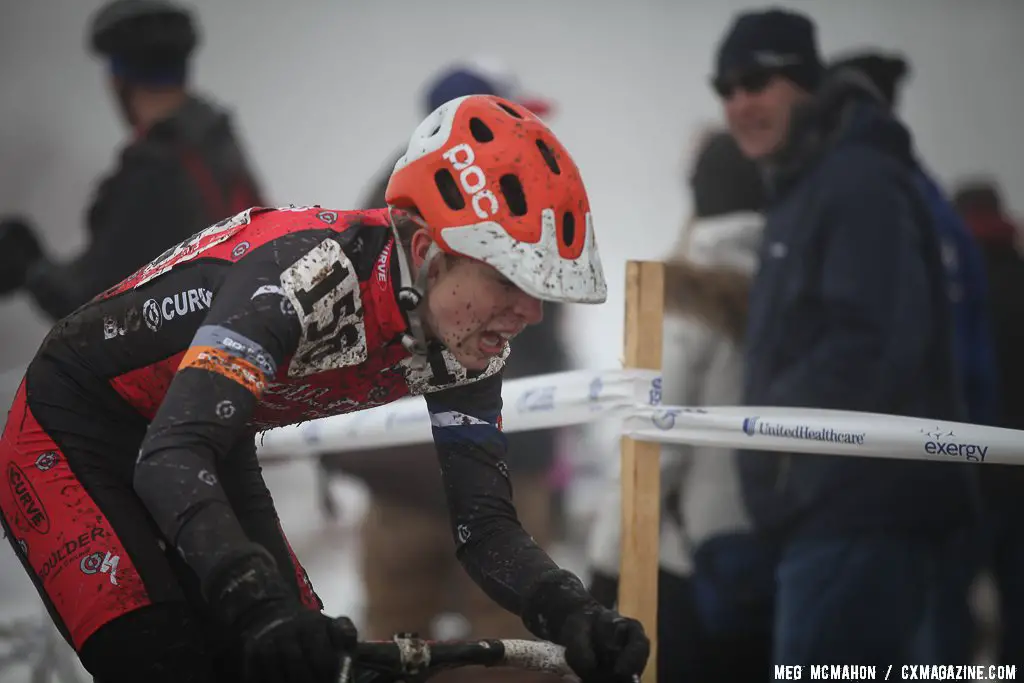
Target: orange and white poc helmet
<point>493,183</point>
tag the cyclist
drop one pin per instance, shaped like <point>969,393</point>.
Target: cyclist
<point>135,499</point>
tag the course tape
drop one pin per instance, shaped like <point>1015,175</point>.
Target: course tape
<point>830,432</point>
<point>557,400</point>
<point>633,398</point>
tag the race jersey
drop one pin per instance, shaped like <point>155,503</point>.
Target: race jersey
<point>298,305</point>
<point>270,318</point>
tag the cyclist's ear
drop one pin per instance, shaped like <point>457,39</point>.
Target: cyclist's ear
<point>419,247</point>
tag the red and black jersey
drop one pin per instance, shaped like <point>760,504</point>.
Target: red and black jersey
<point>297,305</point>
<point>269,318</point>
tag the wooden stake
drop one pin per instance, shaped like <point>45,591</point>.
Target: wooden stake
<point>641,470</point>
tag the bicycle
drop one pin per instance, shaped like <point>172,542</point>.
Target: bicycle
<point>409,659</point>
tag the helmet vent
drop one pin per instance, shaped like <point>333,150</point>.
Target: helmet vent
<point>510,110</point>
<point>514,195</point>
<point>449,190</point>
<point>480,131</point>
<point>549,157</point>
<point>568,228</point>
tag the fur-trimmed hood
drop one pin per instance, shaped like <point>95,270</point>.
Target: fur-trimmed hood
<point>709,278</point>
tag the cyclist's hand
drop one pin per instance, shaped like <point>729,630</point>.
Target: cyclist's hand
<point>280,639</point>
<point>297,645</point>
<point>602,646</point>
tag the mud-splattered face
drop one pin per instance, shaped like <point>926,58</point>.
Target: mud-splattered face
<point>473,310</point>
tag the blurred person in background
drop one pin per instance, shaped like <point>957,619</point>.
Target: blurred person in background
<point>974,352</point>
<point>849,310</point>
<point>716,582</point>
<point>181,171</point>
<point>411,575</point>
<point>980,203</point>
<point>951,636</point>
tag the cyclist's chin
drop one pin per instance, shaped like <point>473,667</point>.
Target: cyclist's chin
<point>472,361</point>
<point>474,356</point>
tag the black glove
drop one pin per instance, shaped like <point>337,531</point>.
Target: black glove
<point>281,640</point>
<point>19,250</point>
<point>601,645</point>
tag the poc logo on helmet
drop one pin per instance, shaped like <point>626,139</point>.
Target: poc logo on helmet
<point>472,179</point>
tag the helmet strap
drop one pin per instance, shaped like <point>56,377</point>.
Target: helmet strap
<point>411,294</point>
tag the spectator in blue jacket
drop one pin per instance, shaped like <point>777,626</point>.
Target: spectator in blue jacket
<point>965,269</point>
<point>952,633</point>
<point>848,311</point>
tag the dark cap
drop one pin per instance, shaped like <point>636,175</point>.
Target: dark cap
<point>774,39</point>
<point>146,41</point>
<point>978,194</point>
<point>885,71</point>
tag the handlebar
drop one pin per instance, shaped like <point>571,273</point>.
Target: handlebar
<point>411,656</point>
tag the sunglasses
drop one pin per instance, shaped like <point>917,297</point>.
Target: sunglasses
<point>752,82</point>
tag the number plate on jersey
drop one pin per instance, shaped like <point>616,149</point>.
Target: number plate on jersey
<point>324,290</point>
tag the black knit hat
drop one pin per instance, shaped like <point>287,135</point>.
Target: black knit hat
<point>978,194</point>
<point>724,181</point>
<point>146,41</point>
<point>774,39</point>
